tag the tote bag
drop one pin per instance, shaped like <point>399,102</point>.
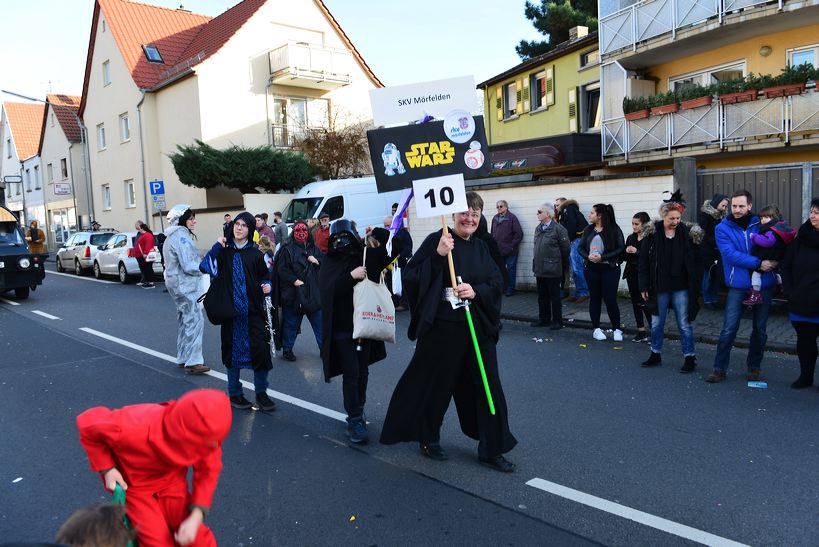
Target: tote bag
<point>373,310</point>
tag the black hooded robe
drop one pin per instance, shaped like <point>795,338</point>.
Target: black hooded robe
<point>444,365</point>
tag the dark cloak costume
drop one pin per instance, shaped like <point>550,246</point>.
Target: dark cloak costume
<point>444,365</point>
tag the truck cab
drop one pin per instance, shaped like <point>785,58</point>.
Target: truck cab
<point>20,270</point>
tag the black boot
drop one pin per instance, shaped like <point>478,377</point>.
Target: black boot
<point>654,360</point>
<point>802,382</point>
<point>689,365</point>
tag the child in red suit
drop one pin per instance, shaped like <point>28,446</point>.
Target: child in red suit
<point>148,448</point>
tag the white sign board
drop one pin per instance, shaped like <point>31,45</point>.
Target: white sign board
<point>159,204</point>
<point>439,196</point>
<point>409,103</point>
<point>62,189</point>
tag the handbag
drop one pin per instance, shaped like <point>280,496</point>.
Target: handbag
<point>308,298</point>
<point>218,300</point>
<point>373,310</point>
<point>152,256</point>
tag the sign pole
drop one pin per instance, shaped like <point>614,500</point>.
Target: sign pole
<point>471,326</point>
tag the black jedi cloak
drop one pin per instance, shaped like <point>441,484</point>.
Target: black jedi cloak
<point>444,365</point>
<point>336,289</point>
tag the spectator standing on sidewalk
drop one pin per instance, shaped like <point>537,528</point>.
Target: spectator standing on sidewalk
<point>321,233</point>
<point>711,213</point>
<point>226,229</point>
<point>262,229</point>
<point>569,216</point>
<point>601,246</point>
<point>280,231</point>
<point>35,238</point>
<point>800,277</point>
<point>507,232</point>
<point>631,256</point>
<point>734,244</point>
<point>550,254</point>
<point>144,244</point>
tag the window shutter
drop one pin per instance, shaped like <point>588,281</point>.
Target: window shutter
<point>573,110</point>
<point>526,97</point>
<point>550,86</point>
<point>519,96</point>
<point>499,102</point>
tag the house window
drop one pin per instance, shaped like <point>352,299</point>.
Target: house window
<point>8,147</point>
<point>106,73</point>
<point>101,136</point>
<point>334,207</point>
<point>37,182</point>
<point>537,87</point>
<point>106,197</point>
<point>807,54</point>
<point>510,100</point>
<point>103,25</point>
<point>50,172</point>
<point>708,76</point>
<point>64,168</point>
<point>152,54</point>
<point>28,180</point>
<point>124,128</point>
<point>590,107</point>
<point>293,115</point>
<point>589,58</point>
<point>130,194</point>
<point>52,119</point>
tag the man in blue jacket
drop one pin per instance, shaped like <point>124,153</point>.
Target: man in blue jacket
<point>734,244</point>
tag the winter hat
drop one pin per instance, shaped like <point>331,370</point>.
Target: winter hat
<point>381,235</point>
<point>717,199</point>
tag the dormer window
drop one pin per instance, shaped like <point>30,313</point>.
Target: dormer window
<point>152,54</point>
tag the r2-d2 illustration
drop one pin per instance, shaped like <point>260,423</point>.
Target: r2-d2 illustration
<point>392,160</point>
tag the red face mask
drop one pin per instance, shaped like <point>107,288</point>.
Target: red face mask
<point>300,233</point>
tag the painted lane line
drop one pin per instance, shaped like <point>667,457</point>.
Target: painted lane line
<point>74,276</point>
<point>646,519</point>
<point>44,314</point>
<point>307,405</point>
<point>9,302</point>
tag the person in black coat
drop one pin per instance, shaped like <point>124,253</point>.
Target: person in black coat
<point>342,269</point>
<point>631,258</point>
<point>711,213</point>
<point>800,280</point>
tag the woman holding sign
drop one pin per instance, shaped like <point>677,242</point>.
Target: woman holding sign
<point>444,364</point>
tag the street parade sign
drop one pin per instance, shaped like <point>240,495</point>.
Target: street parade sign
<point>439,196</point>
<point>407,103</point>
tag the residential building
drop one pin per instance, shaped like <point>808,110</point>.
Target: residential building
<point>768,144</point>
<point>21,139</point>
<point>64,169</point>
<point>157,78</point>
<point>543,115</point>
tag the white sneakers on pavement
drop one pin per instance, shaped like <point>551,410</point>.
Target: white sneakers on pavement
<point>618,335</point>
<point>598,334</point>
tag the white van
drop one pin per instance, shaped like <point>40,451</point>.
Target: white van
<point>354,199</point>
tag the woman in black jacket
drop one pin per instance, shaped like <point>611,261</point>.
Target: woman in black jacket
<point>631,256</point>
<point>601,246</point>
<point>711,213</point>
<point>800,278</point>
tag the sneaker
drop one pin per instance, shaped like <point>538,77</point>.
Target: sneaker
<point>287,355</point>
<point>498,463</point>
<point>197,369</point>
<point>753,375</point>
<point>239,401</point>
<point>264,402</point>
<point>140,284</point>
<point>641,336</point>
<point>433,451</point>
<point>148,285</point>
<point>689,365</point>
<point>618,335</point>
<point>715,377</point>
<point>753,298</point>
<point>654,360</point>
<point>357,431</point>
<point>598,334</point>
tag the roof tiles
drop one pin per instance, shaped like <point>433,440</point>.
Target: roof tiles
<point>65,108</point>
<point>25,120</point>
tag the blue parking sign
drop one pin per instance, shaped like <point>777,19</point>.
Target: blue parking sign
<point>157,187</point>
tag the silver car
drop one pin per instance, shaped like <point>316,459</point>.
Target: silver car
<point>78,252</point>
<point>117,258</point>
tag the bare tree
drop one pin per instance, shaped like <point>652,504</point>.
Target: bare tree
<point>338,150</point>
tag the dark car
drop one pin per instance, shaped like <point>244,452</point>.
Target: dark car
<point>20,270</point>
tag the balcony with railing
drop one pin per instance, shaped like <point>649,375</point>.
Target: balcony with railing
<point>714,128</point>
<point>308,65</point>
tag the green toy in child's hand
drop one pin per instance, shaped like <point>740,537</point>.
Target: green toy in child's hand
<point>119,499</point>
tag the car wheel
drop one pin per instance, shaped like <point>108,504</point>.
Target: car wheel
<point>60,265</point>
<point>22,293</point>
<point>77,267</point>
<point>123,274</point>
<point>97,272</point>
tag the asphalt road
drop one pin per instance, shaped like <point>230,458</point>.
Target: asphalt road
<point>609,452</point>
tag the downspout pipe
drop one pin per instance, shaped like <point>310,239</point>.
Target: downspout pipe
<point>142,159</point>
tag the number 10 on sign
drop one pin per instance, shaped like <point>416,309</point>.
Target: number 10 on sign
<point>439,196</point>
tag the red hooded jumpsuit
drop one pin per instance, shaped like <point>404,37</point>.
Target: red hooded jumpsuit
<point>153,445</point>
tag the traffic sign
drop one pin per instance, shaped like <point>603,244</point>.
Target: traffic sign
<point>159,204</point>
<point>157,187</point>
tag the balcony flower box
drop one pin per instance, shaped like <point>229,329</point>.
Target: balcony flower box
<point>739,97</point>
<point>664,109</point>
<point>637,115</point>
<point>784,90</point>
<point>696,103</point>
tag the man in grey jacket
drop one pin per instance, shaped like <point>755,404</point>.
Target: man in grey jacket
<point>280,231</point>
<point>550,254</point>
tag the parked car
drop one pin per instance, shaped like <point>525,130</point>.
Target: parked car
<point>78,252</point>
<point>117,258</point>
<point>20,270</point>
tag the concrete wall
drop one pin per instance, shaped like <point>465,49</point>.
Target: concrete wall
<point>266,203</point>
<point>628,195</point>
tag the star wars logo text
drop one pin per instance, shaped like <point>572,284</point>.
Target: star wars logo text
<point>426,154</point>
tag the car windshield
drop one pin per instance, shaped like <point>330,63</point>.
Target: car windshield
<point>100,239</point>
<point>301,208</point>
<point>10,235</point>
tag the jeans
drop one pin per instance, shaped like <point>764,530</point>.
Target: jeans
<point>603,282</point>
<point>576,263</point>
<point>733,314</point>
<point>709,289</point>
<point>235,386</point>
<point>679,300</point>
<point>292,321</point>
<point>512,270</point>
<point>550,308</point>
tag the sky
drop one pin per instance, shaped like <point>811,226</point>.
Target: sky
<point>44,42</point>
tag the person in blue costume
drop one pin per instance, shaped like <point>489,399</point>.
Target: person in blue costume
<point>245,339</point>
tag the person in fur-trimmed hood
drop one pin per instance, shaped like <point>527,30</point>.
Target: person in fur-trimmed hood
<point>711,213</point>
<point>668,277</point>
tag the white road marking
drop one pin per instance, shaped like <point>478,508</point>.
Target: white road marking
<point>646,519</point>
<point>74,276</point>
<point>312,407</point>
<point>44,314</point>
<point>9,302</point>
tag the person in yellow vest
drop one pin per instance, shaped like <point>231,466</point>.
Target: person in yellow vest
<point>36,238</point>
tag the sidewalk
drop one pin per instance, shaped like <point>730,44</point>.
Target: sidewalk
<point>781,336</point>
